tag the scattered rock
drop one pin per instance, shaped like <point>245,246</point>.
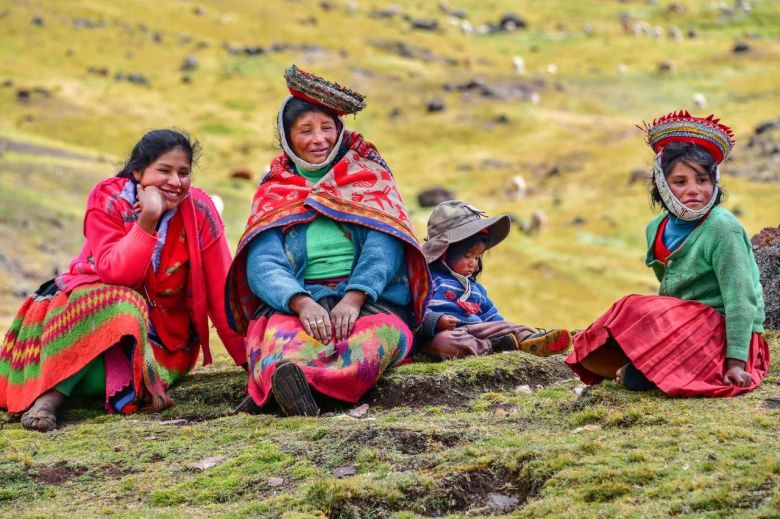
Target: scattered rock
<point>189,63</point>
<point>403,49</point>
<point>578,220</point>
<point>765,126</point>
<point>386,12</point>
<point>275,482</point>
<point>675,34</point>
<point>138,79</point>
<point>98,71</point>
<point>693,33</point>
<point>666,67</point>
<point>517,188</point>
<point>578,390</point>
<point>712,456</point>
<point>198,10</point>
<point>500,502</point>
<point>394,113</point>
<point>770,403</point>
<point>178,421</point>
<point>38,21</point>
<point>207,463</point>
<point>589,427</point>
<point>425,24</point>
<point>83,23</point>
<point>525,389</point>
<point>676,8</point>
<point>535,224</point>
<point>435,105</point>
<point>511,22</point>
<point>242,174</point>
<point>326,6</point>
<point>759,160</point>
<point>638,175</point>
<point>740,47</point>
<point>520,90</point>
<point>766,248</point>
<point>358,411</point>
<point>434,196</point>
<point>342,472</point>
<point>502,119</point>
<point>8,83</point>
<point>186,79</point>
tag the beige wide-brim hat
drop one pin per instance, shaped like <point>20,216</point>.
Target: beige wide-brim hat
<point>455,220</point>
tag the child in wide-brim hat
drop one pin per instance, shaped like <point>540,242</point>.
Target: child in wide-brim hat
<point>461,319</point>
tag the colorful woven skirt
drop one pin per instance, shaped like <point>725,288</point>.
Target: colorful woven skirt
<point>679,345</point>
<point>345,370</point>
<point>54,335</point>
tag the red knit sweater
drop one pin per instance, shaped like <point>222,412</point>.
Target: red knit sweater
<point>118,251</point>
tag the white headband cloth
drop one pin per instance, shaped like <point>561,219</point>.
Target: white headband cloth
<point>673,204</point>
<point>307,166</point>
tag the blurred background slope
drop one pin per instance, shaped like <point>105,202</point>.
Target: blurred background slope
<point>516,106</point>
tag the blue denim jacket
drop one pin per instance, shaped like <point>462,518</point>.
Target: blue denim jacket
<point>276,262</point>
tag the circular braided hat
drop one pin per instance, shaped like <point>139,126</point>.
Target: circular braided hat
<point>681,126</point>
<point>314,89</point>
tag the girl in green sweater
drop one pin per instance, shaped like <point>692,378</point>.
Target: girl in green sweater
<point>702,335</point>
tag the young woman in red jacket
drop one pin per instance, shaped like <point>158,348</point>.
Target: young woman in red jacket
<point>130,316</point>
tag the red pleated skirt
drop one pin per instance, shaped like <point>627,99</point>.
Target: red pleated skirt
<point>677,344</point>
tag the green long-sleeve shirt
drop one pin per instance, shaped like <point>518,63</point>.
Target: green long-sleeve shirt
<point>715,266</point>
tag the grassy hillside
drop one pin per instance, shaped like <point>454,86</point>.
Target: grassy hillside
<point>68,122</point>
<point>583,124</point>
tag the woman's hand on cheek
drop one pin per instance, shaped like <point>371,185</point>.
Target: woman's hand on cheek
<point>314,318</point>
<point>151,205</point>
<point>346,312</point>
<point>735,374</point>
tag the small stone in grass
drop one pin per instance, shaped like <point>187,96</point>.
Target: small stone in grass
<point>178,421</point>
<point>358,411</point>
<point>275,482</point>
<point>344,471</point>
<point>207,463</point>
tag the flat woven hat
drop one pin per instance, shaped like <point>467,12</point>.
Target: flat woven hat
<point>314,89</point>
<point>681,126</point>
<point>456,220</point>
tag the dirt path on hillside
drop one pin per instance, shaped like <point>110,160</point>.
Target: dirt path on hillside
<point>46,151</point>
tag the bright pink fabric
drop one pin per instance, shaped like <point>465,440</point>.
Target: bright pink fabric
<point>118,251</point>
<point>680,345</point>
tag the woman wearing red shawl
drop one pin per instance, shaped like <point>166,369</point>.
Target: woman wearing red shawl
<point>328,280</point>
<point>702,335</point>
<point>130,316</point>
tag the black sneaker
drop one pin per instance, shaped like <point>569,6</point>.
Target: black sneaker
<point>506,342</point>
<point>292,392</point>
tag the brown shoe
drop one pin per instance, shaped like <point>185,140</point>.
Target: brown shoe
<point>292,392</point>
<point>545,343</point>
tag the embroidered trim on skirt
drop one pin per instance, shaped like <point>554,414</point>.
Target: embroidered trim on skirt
<point>54,335</point>
<point>679,345</point>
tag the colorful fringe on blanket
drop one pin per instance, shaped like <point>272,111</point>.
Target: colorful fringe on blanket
<point>345,370</point>
<point>54,335</point>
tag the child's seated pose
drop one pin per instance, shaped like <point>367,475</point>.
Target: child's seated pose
<point>461,320</point>
<point>702,334</point>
